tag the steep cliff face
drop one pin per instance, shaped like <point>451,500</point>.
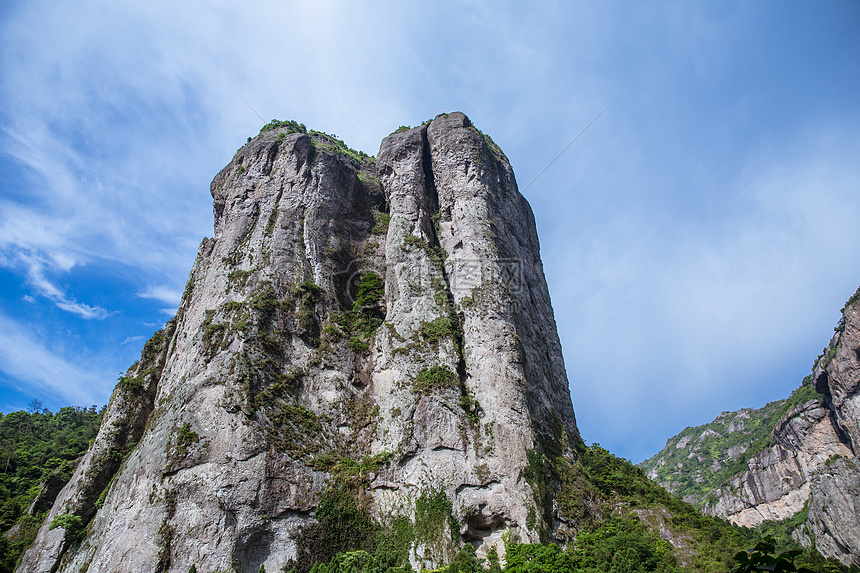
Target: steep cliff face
<point>807,466</point>
<point>777,484</point>
<point>834,507</point>
<point>358,337</point>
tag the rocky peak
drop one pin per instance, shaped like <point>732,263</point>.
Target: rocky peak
<point>362,342</point>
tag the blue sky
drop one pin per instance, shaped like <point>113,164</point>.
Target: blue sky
<point>698,240</point>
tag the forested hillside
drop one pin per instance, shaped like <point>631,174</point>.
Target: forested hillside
<point>626,522</point>
<point>789,466</point>
<point>38,450</point>
<point>703,458</point>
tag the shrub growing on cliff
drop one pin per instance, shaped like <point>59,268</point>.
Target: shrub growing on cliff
<point>439,329</point>
<point>366,315</point>
<point>382,220</point>
<point>290,125</point>
<point>72,525</point>
<point>370,291</point>
<point>433,379</point>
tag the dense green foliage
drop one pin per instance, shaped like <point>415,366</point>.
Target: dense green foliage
<point>618,545</point>
<point>586,488</point>
<point>435,378</point>
<point>761,558</point>
<point>290,125</point>
<point>72,525</point>
<point>370,291</point>
<point>746,433</point>
<point>38,447</point>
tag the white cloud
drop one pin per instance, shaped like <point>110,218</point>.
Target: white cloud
<point>46,288</point>
<point>165,294</point>
<point>680,318</point>
<point>82,310</point>
<point>28,360</point>
<point>35,271</point>
<point>132,339</point>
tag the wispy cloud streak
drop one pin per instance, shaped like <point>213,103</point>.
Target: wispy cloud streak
<point>26,359</point>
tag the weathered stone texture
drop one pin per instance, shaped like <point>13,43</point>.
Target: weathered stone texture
<point>261,379</point>
<point>777,483</point>
<point>834,511</point>
<point>835,502</point>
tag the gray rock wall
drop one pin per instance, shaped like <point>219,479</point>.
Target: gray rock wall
<point>272,378</point>
<point>834,506</point>
<point>777,484</point>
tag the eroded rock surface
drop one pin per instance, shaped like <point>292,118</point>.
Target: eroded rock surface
<point>834,508</point>
<point>389,316</point>
<point>777,483</point>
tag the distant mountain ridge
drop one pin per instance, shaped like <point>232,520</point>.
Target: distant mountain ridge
<point>793,460</point>
<point>702,458</point>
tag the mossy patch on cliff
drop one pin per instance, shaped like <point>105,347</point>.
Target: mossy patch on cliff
<point>435,526</point>
<point>438,329</point>
<point>343,513</point>
<point>434,379</point>
<point>366,315</point>
<point>178,447</point>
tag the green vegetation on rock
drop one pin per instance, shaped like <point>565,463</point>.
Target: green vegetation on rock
<point>435,526</point>
<point>439,329</point>
<point>289,125</point>
<point>344,524</point>
<point>435,378</point>
<point>382,221</point>
<point>331,144</point>
<point>366,315</point>
<point>761,558</point>
<point>72,525</point>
